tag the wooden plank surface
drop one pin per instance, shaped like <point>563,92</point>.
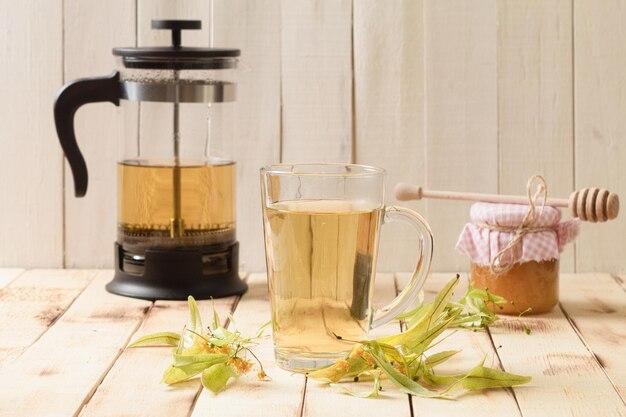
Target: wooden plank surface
<point>92,29</point>
<point>461,114</point>
<point>282,396</point>
<point>31,171</point>
<point>474,346</point>
<point>316,80</point>
<point>596,306</point>
<point>142,368</point>
<point>389,109</point>
<point>567,379</point>
<point>79,361</point>
<point>9,274</point>
<point>58,373</point>
<point>34,301</point>
<point>535,112</point>
<point>255,28</point>
<point>600,128</point>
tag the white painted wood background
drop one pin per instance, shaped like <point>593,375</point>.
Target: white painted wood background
<point>452,94</point>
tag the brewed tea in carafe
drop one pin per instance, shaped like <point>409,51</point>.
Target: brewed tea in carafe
<point>166,205</point>
<point>176,175</point>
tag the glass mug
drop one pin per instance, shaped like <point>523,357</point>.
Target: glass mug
<point>321,225</point>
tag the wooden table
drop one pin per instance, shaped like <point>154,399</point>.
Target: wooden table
<point>63,339</point>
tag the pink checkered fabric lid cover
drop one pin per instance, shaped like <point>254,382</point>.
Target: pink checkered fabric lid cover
<point>482,244</point>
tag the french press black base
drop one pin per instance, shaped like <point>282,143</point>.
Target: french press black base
<point>176,274</point>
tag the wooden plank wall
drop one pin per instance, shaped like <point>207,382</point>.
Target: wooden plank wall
<point>452,94</point>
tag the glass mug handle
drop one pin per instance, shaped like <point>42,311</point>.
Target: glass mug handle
<point>422,268</point>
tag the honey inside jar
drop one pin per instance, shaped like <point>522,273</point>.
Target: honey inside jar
<point>529,285</point>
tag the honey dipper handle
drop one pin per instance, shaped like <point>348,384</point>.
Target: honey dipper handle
<point>405,192</point>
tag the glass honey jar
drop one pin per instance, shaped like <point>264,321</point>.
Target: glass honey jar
<point>516,259</point>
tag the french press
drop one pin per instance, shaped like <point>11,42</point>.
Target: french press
<point>176,177</point>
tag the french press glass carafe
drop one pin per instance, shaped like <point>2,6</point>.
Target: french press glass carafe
<point>176,177</point>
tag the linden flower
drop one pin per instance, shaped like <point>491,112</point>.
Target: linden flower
<point>200,343</point>
<point>261,375</point>
<point>369,359</point>
<point>241,365</point>
<point>342,365</point>
<point>221,349</point>
<point>357,352</point>
<point>400,367</point>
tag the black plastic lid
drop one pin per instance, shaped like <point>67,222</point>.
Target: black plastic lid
<point>177,56</point>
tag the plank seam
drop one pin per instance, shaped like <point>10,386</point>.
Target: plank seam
<point>353,154</point>
<point>281,115</point>
<point>63,176</point>
<point>58,317</point>
<point>95,387</point>
<point>572,323</point>
<point>12,280</point>
<point>619,281</point>
<point>511,390</point>
<point>303,400</point>
<point>498,137</point>
<point>401,324</point>
<point>574,119</point>
<point>194,401</point>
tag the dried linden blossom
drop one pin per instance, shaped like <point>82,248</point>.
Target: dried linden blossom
<point>402,357</point>
<point>221,354</point>
<point>218,353</point>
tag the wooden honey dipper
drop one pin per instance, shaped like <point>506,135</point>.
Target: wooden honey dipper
<point>589,204</point>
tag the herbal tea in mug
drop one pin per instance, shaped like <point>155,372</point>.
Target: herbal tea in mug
<point>321,224</point>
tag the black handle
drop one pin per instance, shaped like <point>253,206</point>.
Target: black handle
<point>176,26</point>
<point>70,98</point>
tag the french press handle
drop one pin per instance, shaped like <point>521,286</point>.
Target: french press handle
<point>70,98</point>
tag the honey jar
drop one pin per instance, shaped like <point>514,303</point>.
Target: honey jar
<point>514,252</point>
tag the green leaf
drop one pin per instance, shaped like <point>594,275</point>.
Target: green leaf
<point>195,324</point>
<point>174,374</point>
<point>195,320</point>
<point>216,318</point>
<point>439,358</point>
<point>259,333</point>
<point>163,338</point>
<point>223,337</point>
<point>482,377</point>
<point>411,313</point>
<point>403,382</point>
<point>472,310</point>
<point>423,342</point>
<point>361,394</point>
<point>391,353</point>
<point>432,317</point>
<point>340,370</point>
<point>476,302</point>
<point>216,377</point>
<point>443,297</point>
<point>210,358</point>
<point>441,380</point>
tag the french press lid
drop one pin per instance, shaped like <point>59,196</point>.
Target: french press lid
<point>176,56</point>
